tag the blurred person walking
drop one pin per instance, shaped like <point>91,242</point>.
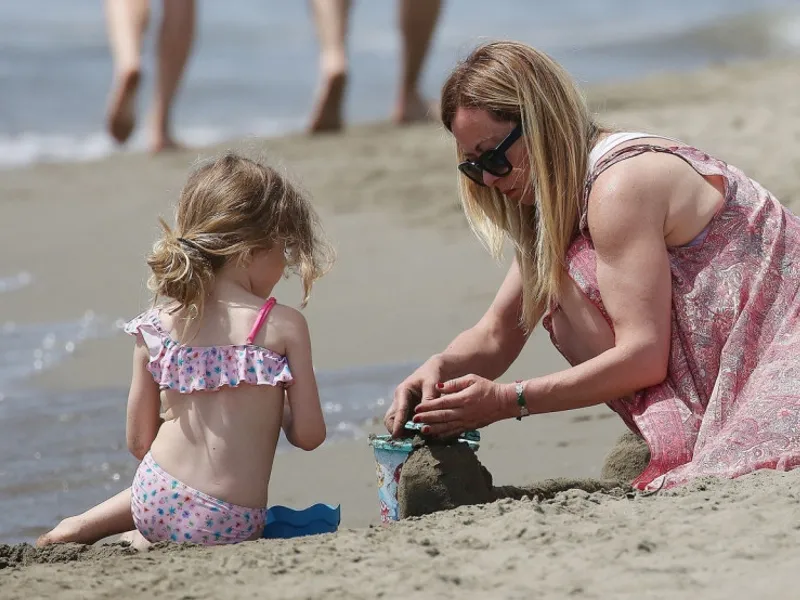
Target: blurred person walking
<point>417,20</point>
<point>127,22</point>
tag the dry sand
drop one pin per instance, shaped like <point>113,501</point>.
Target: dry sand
<point>409,278</point>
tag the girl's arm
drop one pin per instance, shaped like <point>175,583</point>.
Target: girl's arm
<point>303,422</point>
<point>144,404</point>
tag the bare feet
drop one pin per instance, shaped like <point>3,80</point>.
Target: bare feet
<point>76,530</point>
<point>164,143</point>
<point>70,529</point>
<point>327,114</point>
<point>415,108</point>
<point>122,107</point>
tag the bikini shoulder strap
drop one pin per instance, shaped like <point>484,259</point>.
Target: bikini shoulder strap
<point>262,316</point>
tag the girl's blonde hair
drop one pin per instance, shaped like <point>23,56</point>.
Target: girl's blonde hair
<point>517,83</point>
<point>229,208</point>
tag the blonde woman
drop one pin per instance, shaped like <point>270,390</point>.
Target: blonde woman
<point>666,277</point>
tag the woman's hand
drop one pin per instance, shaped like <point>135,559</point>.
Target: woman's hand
<point>419,386</point>
<point>469,402</point>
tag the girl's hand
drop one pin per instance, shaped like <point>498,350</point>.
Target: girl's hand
<point>465,403</point>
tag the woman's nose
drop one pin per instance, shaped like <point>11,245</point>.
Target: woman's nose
<point>489,180</point>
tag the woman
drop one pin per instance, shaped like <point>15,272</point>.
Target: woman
<point>666,277</point>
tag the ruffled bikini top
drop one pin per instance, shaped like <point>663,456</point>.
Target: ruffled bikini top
<point>189,369</point>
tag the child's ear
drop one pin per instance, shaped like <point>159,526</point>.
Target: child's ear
<point>246,258</point>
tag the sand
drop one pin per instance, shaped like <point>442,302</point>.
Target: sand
<point>715,540</point>
<point>410,277</point>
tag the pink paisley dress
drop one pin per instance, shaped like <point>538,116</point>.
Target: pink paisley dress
<point>731,401</point>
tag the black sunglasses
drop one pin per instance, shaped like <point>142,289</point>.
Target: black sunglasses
<point>492,161</point>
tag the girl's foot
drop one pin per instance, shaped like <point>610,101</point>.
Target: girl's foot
<point>111,517</point>
<point>69,530</point>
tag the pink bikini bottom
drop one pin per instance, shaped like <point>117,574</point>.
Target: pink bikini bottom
<point>165,509</point>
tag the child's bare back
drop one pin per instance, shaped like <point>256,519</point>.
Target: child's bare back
<point>223,442</point>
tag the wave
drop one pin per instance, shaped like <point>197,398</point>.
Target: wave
<point>15,282</point>
<point>35,147</point>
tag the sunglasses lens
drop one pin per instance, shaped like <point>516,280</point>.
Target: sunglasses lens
<point>474,172</point>
<point>496,164</point>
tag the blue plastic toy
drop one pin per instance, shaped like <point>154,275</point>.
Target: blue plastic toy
<point>285,522</point>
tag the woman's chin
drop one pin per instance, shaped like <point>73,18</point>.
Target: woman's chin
<point>520,196</point>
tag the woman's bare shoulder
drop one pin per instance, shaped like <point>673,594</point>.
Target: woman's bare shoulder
<point>634,193</point>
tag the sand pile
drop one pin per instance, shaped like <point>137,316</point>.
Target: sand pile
<point>443,476</point>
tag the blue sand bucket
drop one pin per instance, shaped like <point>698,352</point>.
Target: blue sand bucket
<point>390,454</point>
<point>285,522</point>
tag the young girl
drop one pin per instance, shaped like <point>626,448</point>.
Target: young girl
<point>229,366</point>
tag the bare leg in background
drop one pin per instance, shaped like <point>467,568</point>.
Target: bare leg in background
<point>127,22</point>
<point>417,21</point>
<point>175,40</point>
<point>331,18</point>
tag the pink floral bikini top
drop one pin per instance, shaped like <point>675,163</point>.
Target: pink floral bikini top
<point>189,369</point>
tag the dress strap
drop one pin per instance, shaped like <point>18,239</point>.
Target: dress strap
<point>613,140</point>
<point>262,316</point>
<point>609,160</point>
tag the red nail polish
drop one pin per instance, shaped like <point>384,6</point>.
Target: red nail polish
<point>426,429</point>
<point>440,385</point>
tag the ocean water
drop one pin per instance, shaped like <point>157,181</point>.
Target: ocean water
<point>254,73</point>
<point>254,68</point>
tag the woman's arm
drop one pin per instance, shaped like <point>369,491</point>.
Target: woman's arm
<point>629,208</point>
<point>144,404</point>
<point>627,222</point>
<point>488,349</point>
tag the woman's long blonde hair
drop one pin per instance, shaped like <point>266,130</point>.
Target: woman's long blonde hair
<point>515,82</point>
<point>229,208</point>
